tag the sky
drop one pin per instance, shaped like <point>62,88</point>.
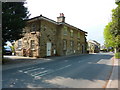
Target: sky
<point>89,15</point>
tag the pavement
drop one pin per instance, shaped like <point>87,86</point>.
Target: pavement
<point>113,81</point>
<point>16,60</point>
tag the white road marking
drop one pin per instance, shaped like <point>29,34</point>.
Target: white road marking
<point>89,62</point>
<point>64,67</point>
<point>42,68</point>
<point>37,77</point>
<point>20,71</point>
<point>80,61</point>
<point>65,60</point>
<point>32,70</point>
<point>39,73</point>
<point>50,71</point>
<point>42,73</point>
<point>26,69</point>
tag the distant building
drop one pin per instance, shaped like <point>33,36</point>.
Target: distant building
<point>103,47</point>
<point>45,37</point>
<point>93,46</point>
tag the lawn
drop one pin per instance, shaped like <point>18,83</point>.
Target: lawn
<point>117,55</point>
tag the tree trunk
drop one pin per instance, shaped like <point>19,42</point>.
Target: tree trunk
<point>116,49</point>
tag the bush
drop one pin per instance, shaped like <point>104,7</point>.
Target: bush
<point>117,55</point>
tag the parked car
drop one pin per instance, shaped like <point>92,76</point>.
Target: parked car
<point>7,50</point>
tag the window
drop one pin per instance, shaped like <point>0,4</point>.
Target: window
<point>71,33</point>
<point>32,44</point>
<point>78,45</point>
<point>19,44</point>
<point>72,44</point>
<point>44,28</point>
<point>33,27</point>
<point>78,34</point>
<point>64,44</point>
<point>65,30</point>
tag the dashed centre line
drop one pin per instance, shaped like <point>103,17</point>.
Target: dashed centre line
<point>64,67</point>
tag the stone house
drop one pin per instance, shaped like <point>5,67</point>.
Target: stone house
<point>45,37</point>
<point>93,46</point>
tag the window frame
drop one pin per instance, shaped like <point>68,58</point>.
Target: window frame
<point>19,44</point>
<point>78,46</point>
<point>72,44</point>
<point>71,33</point>
<point>65,31</point>
<point>78,35</point>
<point>33,27</point>
<point>64,44</point>
<point>32,44</point>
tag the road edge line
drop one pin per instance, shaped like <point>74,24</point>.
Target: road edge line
<point>111,74</point>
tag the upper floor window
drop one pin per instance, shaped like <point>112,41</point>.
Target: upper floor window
<point>72,44</point>
<point>33,27</point>
<point>64,44</point>
<point>32,44</point>
<point>78,34</point>
<point>44,28</point>
<point>19,44</point>
<point>65,30</point>
<point>71,33</point>
<point>78,45</point>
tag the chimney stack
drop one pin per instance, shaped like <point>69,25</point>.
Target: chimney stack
<point>61,18</point>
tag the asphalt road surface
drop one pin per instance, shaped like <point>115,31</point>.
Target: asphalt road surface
<point>81,71</point>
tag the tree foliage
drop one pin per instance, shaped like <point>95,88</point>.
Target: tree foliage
<point>13,20</point>
<point>109,40</point>
<point>112,30</point>
<point>115,21</point>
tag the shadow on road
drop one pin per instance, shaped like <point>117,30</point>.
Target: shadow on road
<point>91,73</point>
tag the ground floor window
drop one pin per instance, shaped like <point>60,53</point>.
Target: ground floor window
<point>19,44</point>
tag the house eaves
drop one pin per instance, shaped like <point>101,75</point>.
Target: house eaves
<point>41,18</point>
<point>72,26</point>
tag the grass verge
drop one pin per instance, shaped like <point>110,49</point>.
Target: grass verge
<point>117,55</point>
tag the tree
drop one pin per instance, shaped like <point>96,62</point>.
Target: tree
<point>109,40</point>
<point>13,20</point>
<point>116,21</point>
<point>112,30</point>
<point>14,15</point>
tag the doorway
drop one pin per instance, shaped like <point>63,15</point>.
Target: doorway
<point>48,48</point>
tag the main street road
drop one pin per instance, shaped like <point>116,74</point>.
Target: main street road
<point>79,71</point>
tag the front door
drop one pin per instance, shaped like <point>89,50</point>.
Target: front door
<point>48,48</point>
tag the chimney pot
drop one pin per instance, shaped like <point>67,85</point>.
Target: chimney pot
<point>62,14</point>
<point>61,18</point>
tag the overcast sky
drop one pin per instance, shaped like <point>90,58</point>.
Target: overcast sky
<point>88,15</point>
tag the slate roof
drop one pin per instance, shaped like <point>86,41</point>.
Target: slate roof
<point>52,21</point>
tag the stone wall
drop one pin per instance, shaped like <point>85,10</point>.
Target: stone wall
<point>75,40</point>
<point>53,33</point>
<point>48,34</point>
